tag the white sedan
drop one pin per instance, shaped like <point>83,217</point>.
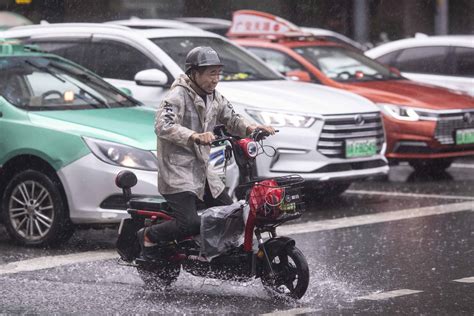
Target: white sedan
<point>446,61</point>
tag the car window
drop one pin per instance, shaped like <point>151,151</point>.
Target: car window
<point>238,64</point>
<point>388,59</point>
<point>464,61</point>
<point>50,83</point>
<point>279,61</point>
<point>113,60</point>
<point>428,60</point>
<point>72,50</point>
<point>343,64</point>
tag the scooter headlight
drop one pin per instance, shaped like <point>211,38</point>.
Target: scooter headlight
<point>252,149</point>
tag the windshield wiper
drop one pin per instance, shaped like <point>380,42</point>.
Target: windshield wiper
<point>96,98</point>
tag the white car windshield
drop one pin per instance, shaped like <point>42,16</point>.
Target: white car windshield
<point>343,64</point>
<point>238,64</point>
<point>49,83</point>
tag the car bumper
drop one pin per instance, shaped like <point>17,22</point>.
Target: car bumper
<point>425,140</point>
<point>296,152</point>
<point>88,182</point>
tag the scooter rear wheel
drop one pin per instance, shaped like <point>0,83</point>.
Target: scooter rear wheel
<point>290,276</point>
<point>158,276</point>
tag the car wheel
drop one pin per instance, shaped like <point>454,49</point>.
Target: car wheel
<point>432,166</point>
<point>34,211</point>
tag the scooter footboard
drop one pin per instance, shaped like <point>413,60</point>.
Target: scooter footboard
<point>127,242</point>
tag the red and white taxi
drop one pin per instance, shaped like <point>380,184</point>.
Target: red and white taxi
<point>427,126</point>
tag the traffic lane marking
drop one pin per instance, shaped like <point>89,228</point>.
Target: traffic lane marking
<point>465,280</point>
<point>292,229</point>
<point>462,165</point>
<point>294,311</point>
<point>352,221</point>
<point>48,262</point>
<point>387,295</point>
<point>413,195</point>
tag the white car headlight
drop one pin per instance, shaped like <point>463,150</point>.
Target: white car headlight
<point>281,119</point>
<point>121,155</point>
<point>399,112</point>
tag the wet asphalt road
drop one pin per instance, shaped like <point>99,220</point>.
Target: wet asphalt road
<point>352,266</point>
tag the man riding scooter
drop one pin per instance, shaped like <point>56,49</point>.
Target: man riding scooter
<point>184,123</point>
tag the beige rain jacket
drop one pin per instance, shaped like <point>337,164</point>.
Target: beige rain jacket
<point>183,165</point>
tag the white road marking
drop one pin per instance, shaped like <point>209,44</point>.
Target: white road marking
<point>352,221</point>
<point>56,261</point>
<point>462,165</point>
<point>386,295</point>
<point>465,280</point>
<point>294,311</point>
<point>330,224</point>
<point>413,195</point>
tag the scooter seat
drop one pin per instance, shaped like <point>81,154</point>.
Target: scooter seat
<point>149,204</point>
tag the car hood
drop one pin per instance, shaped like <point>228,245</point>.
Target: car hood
<point>129,126</point>
<point>291,96</point>
<point>411,93</point>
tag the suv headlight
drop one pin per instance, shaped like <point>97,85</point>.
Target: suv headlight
<point>406,113</point>
<point>121,155</point>
<point>281,119</point>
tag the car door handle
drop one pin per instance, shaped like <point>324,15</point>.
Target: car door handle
<point>1,114</point>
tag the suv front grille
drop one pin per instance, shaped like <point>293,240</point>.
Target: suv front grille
<point>338,128</point>
<point>448,123</point>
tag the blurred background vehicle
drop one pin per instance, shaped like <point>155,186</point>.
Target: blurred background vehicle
<point>11,19</point>
<point>137,23</point>
<point>65,134</point>
<point>426,125</point>
<point>214,25</point>
<point>332,36</point>
<point>446,61</point>
<point>320,136</point>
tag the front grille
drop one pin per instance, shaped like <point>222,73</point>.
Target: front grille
<point>448,123</point>
<point>338,128</point>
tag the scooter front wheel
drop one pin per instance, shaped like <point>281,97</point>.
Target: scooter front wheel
<point>289,274</point>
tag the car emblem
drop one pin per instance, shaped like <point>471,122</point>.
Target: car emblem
<point>359,119</point>
<point>468,118</point>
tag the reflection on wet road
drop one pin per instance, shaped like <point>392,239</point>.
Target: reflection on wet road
<point>404,245</point>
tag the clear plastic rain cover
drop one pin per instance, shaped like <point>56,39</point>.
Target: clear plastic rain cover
<point>222,228</point>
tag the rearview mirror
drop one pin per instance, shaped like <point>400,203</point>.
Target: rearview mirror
<point>151,77</point>
<point>299,75</point>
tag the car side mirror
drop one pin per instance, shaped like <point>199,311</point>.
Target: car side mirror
<point>151,77</point>
<point>299,75</point>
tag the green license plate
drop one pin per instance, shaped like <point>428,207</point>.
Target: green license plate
<point>465,136</point>
<point>361,147</point>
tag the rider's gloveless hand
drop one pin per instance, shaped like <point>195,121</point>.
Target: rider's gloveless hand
<point>267,128</point>
<point>203,138</point>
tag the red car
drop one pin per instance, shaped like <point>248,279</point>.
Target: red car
<point>427,126</point>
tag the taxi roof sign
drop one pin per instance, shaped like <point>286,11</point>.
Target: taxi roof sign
<point>256,23</point>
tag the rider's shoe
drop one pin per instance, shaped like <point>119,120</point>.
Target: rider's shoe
<point>150,251</point>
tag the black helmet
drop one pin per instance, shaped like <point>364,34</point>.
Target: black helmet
<point>201,56</point>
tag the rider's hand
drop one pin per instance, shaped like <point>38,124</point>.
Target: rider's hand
<point>203,138</point>
<point>267,128</point>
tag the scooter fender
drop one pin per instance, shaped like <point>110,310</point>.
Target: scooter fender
<point>274,245</point>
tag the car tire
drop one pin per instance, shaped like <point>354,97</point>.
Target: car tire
<point>34,209</point>
<point>432,166</point>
